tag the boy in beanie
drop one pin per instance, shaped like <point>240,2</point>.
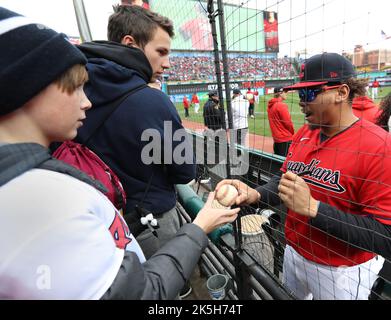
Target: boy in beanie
<point>335,182</point>
<point>60,237</point>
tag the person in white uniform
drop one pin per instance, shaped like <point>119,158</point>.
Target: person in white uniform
<point>239,107</point>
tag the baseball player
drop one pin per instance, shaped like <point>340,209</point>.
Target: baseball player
<point>280,122</point>
<point>250,96</point>
<point>375,87</point>
<point>196,102</point>
<point>335,183</point>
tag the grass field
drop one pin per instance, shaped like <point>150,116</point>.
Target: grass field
<point>260,125</point>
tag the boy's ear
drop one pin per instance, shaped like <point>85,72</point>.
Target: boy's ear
<point>128,40</point>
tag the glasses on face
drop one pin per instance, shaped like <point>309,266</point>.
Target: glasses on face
<point>309,95</point>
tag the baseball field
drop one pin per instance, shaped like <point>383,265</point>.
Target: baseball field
<point>260,124</point>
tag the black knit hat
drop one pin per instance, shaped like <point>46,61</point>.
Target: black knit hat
<point>322,69</point>
<point>32,56</point>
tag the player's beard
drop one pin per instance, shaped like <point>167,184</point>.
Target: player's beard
<point>313,126</point>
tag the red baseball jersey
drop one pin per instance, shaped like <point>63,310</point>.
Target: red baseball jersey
<point>186,102</point>
<point>194,99</point>
<point>350,171</point>
<point>375,84</point>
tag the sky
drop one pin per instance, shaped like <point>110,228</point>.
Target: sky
<point>305,26</point>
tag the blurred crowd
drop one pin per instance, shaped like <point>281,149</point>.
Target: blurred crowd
<point>202,68</point>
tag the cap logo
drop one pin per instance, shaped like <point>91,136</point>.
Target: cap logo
<point>334,75</point>
<point>302,68</point>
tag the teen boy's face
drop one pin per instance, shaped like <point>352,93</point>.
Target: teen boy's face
<point>157,52</point>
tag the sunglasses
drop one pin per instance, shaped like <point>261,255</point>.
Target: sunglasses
<point>309,95</point>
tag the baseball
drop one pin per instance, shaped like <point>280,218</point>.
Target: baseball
<point>226,195</point>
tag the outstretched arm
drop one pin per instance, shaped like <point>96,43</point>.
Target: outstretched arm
<point>165,273</point>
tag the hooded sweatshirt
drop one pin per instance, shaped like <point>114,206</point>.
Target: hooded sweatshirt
<point>365,108</point>
<point>280,121</point>
<point>137,138</point>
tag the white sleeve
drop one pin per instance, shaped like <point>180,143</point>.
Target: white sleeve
<point>67,240</point>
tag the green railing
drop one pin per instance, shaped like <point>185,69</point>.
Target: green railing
<point>192,203</point>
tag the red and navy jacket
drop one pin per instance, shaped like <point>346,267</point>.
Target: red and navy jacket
<point>365,108</point>
<point>280,121</point>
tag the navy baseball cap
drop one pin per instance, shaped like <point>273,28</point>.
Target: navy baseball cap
<point>212,93</point>
<point>278,89</point>
<point>237,91</point>
<point>322,69</point>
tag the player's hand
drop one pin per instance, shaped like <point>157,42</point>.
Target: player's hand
<point>246,195</point>
<point>210,218</point>
<point>296,195</point>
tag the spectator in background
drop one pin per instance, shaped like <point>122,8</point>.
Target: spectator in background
<point>196,102</point>
<point>280,122</point>
<point>384,116</point>
<point>239,107</point>
<point>364,107</point>
<point>250,96</point>
<point>186,106</point>
<point>375,87</point>
<point>186,68</point>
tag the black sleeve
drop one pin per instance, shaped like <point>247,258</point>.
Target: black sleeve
<point>364,232</point>
<point>269,191</point>
<point>165,273</point>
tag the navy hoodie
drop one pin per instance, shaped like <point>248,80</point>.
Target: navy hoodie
<point>113,70</point>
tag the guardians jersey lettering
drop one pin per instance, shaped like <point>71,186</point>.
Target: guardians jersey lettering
<point>351,172</point>
<point>324,178</point>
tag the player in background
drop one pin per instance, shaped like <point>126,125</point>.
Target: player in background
<point>335,182</point>
<point>186,105</point>
<point>375,89</point>
<point>196,102</point>
<point>280,122</point>
<point>250,96</point>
